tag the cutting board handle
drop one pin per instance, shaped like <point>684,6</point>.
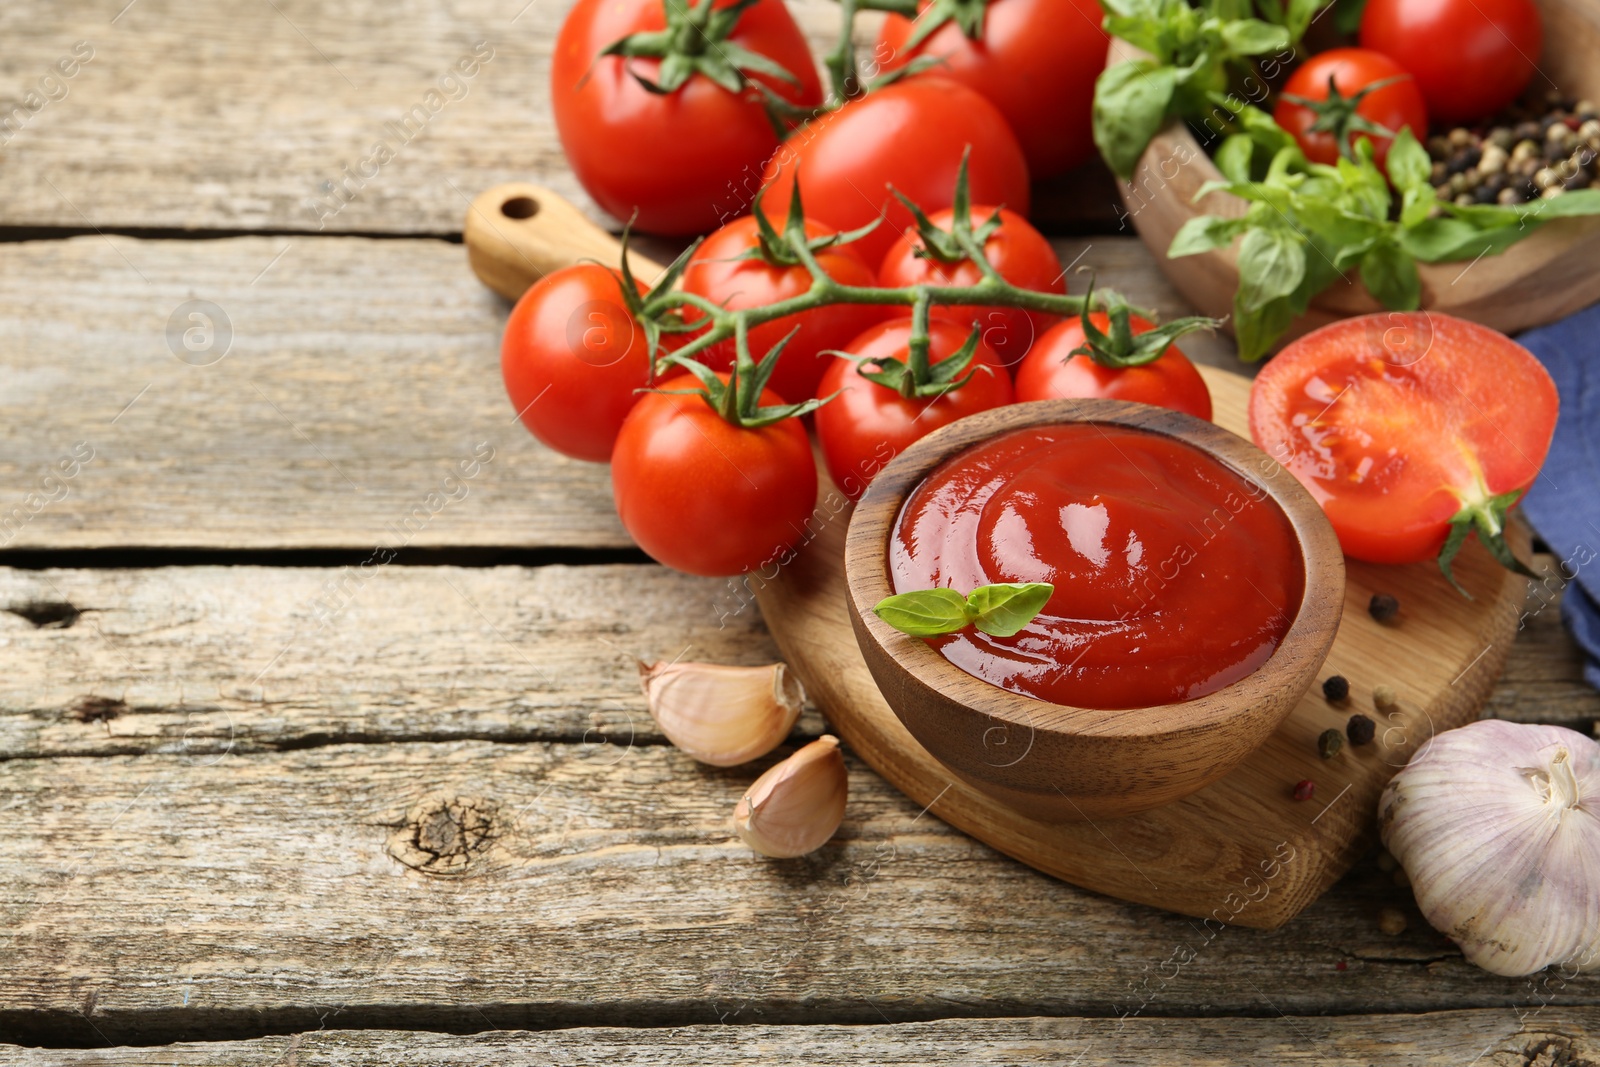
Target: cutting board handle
<point>518,232</point>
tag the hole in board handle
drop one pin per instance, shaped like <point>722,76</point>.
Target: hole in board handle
<point>520,207</point>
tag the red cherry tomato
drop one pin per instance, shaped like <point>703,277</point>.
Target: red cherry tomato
<point>1051,372</point>
<point>1036,61</point>
<point>1392,106</point>
<point>867,424</point>
<point>716,273</point>
<point>1017,250</point>
<point>1470,57</point>
<point>910,135</point>
<point>686,160</point>
<point>707,497</point>
<point>572,357</point>
<point>1397,420</point>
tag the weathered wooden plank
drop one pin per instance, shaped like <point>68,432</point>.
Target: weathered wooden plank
<point>248,116</point>
<point>206,660</point>
<point>1551,1038</point>
<point>300,420</point>
<point>470,885</point>
<point>203,660</point>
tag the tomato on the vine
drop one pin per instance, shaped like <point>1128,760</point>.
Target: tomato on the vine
<point>1051,371</point>
<point>1411,429</point>
<point>1470,57</point>
<point>572,356</point>
<point>1035,60</point>
<point>731,269</point>
<point>1014,248</point>
<point>1369,90</point>
<point>869,423</point>
<point>704,495</point>
<point>911,135</point>
<point>689,158</point>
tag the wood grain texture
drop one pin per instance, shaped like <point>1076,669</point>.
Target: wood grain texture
<point>329,420</point>
<point>204,660</point>
<point>239,115</point>
<point>165,660</point>
<point>1556,1037</point>
<point>1538,280</point>
<point>1240,850</point>
<point>243,115</point>
<point>473,885</point>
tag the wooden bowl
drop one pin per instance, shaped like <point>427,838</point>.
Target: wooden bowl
<point>1539,279</point>
<point>1058,763</point>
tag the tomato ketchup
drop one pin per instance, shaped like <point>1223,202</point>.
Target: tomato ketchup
<point>1174,576</point>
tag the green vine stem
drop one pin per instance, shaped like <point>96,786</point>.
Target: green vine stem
<point>661,309</point>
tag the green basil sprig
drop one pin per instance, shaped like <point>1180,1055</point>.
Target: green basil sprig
<point>1192,52</point>
<point>1001,610</point>
<point>1309,223</point>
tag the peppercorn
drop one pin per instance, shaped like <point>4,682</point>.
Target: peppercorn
<point>1392,921</point>
<point>1383,698</point>
<point>1383,607</point>
<point>1329,742</point>
<point>1305,789</point>
<point>1360,729</point>
<point>1336,687</point>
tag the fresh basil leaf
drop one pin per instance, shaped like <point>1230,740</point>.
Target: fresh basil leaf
<point>1567,205</point>
<point>1256,331</point>
<point>1409,165</point>
<point>1003,610</point>
<point>1447,240</point>
<point>1272,262</point>
<point>1234,156</point>
<point>1144,33</point>
<point>1252,37</point>
<point>1335,225</point>
<point>1300,15</point>
<point>1262,127</point>
<point>1390,275</point>
<point>924,612</point>
<point>1203,234</point>
<point>1417,204</point>
<point>1130,107</point>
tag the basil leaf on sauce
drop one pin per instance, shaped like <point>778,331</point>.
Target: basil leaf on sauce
<point>1001,610</point>
<point>924,612</point>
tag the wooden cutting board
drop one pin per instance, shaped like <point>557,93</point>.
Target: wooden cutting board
<point>1241,851</point>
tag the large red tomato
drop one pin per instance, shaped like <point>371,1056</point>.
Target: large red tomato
<point>1470,57</point>
<point>721,272</point>
<point>1391,106</point>
<point>1036,61</point>
<point>1401,422</point>
<point>1052,371</point>
<point>1017,250</point>
<point>868,424</point>
<point>686,160</point>
<point>572,356</point>
<point>910,135</point>
<point>705,496</point>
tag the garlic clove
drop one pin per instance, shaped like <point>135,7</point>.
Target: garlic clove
<point>797,805</point>
<point>722,715</point>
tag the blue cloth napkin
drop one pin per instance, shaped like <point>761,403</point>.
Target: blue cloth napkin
<point>1564,503</point>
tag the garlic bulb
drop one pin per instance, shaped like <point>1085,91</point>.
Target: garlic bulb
<point>798,804</point>
<point>1497,824</point>
<point>722,715</point>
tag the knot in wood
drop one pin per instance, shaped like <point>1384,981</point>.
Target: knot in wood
<point>446,837</point>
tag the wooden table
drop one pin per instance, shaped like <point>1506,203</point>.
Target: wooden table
<point>282,807</point>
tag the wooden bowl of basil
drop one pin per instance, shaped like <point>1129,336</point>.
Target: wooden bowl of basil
<point>1542,276</point>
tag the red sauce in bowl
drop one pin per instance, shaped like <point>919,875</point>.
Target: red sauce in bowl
<point>1174,576</point>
